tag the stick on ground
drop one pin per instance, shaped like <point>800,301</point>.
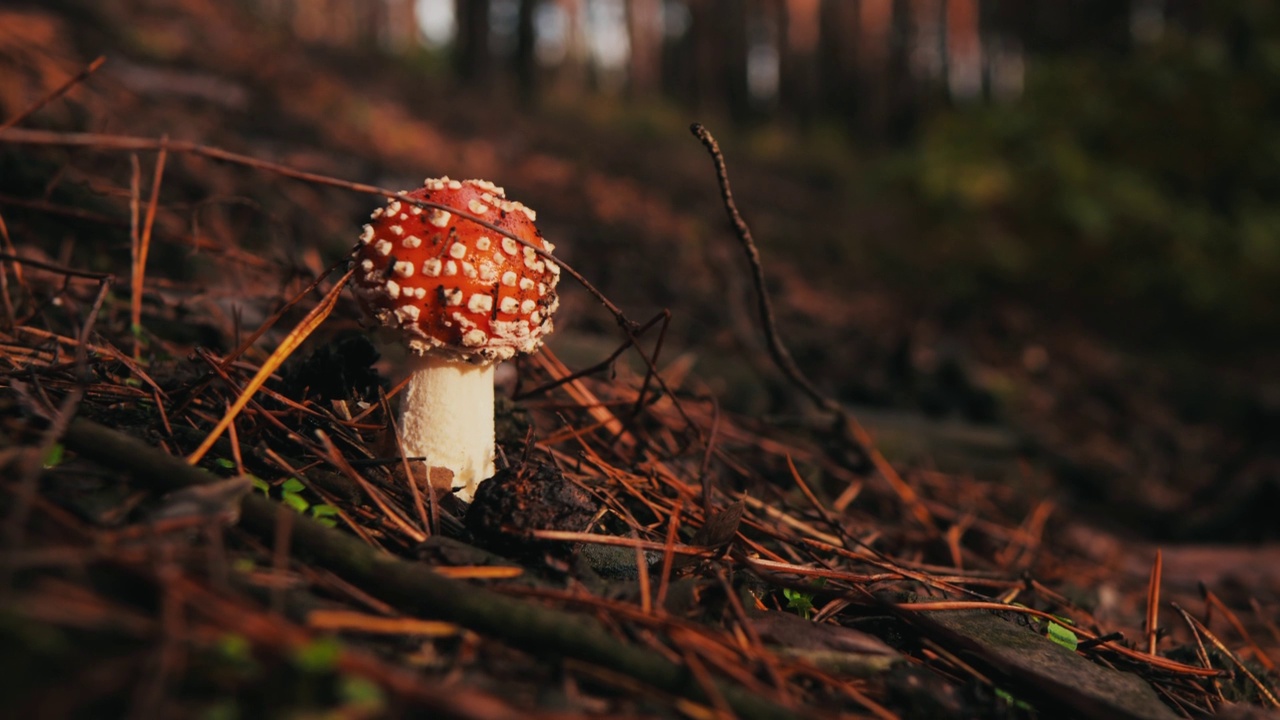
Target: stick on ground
<point>414,588</point>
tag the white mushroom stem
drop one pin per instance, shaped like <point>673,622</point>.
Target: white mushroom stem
<point>446,417</point>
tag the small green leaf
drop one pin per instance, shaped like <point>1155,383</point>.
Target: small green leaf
<point>235,647</point>
<point>292,485</point>
<point>53,458</point>
<point>295,501</point>
<point>244,565</point>
<point>225,463</point>
<point>801,603</point>
<point>260,485</point>
<point>326,515</point>
<point>1064,637</point>
<point>318,656</point>
<point>1009,699</point>
<point>361,692</point>
<point>234,653</point>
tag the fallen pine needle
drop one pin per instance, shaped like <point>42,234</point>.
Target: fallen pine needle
<point>142,247</point>
<point>366,623</point>
<point>272,363</point>
<point>622,541</point>
<point>1153,604</point>
<point>56,93</point>
<point>479,572</point>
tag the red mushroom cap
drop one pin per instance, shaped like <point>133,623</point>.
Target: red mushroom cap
<point>452,286</point>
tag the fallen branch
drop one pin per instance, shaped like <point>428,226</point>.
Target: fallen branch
<point>417,590</point>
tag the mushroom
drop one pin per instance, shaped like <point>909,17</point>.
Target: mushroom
<point>462,298</point>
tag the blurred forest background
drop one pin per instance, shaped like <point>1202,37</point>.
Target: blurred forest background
<point>1052,224</point>
<point>1116,152</point>
<point>1033,246</point>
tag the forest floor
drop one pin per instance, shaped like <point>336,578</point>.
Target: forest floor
<point>1025,515</point>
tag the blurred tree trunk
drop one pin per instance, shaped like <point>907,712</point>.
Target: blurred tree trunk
<point>678,67</point>
<point>1058,26</point>
<point>369,22</point>
<point>339,21</point>
<point>733,57</point>
<point>705,40</point>
<point>798,86</point>
<point>929,32</point>
<point>838,59</point>
<point>885,34</point>
<point>644,29</point>
<point>306,21</point>
<point>964,72</point>
<point>875,23</point>
<point>719,42</point>
<point>400,33</point>
<point>471,44</point>
<point>352,24</point>
<point>571,75</point>
<point>525,59</point>
<point>904,99</point>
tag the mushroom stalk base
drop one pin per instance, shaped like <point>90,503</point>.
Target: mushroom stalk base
<point>446,417</point>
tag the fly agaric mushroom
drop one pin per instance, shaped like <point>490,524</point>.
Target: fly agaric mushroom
<point>462,298</point>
